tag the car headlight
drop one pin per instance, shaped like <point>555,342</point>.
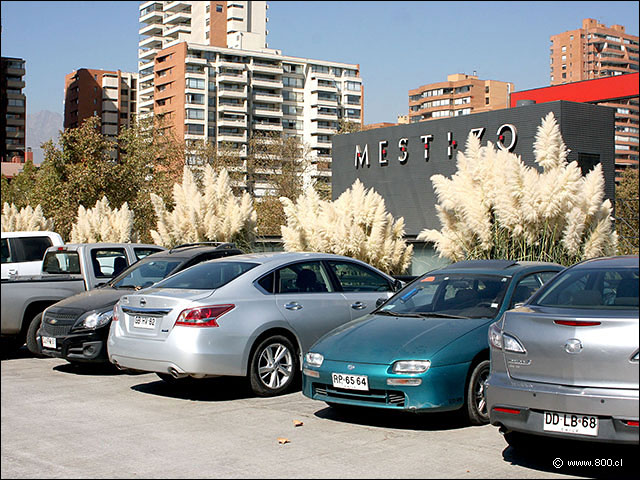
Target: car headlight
<point>314,359</point>
<point>411,366</point>
<point>97,319</point>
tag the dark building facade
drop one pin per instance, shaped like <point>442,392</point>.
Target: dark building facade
<point>398,161</point>
<point>13,110</point>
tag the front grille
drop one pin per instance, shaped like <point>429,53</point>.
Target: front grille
<point>63,322</point>
<point>377,397</point>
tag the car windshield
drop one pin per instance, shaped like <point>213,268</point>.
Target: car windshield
<point>610,289</point>
<point>207,275</point>
<point>145,273</point>
<point>450,295</point>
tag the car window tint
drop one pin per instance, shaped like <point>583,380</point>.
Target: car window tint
<point>146,273</point>
<point>140,252</point>
<point>546,276</point>
<point>6,254</point>
<point>61,262</point>
<point>108,263</point>
<point>207,276</point>
<point>593,288</point>
<point>267,282</point>
<point>308,277</point>
<point>526,287</point>
<point>32,248</point>
<point>357,278</point>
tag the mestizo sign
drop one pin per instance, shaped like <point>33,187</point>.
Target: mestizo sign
<point>506,138</point>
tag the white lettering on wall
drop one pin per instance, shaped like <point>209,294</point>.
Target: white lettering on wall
<point>404,153</point>
<point>382,152</point>
<point>500,133</point>
<point>425,140</point>
<point>361,158</point>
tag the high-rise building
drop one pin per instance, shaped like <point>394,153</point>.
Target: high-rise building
<point>14,110</point>
<point>461,94</point>
<point>207,68</point>
<point>109,95</point>
<point>593,51</point>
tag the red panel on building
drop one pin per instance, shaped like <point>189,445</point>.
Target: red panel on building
<point>587,91</point>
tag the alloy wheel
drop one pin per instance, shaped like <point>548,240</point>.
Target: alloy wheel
<point>275,365</point>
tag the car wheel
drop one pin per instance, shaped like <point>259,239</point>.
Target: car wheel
<point>274,366</point>
<point>475,401</point>
<point>33,342</point>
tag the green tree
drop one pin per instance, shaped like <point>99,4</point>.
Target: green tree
<point>627,212</point>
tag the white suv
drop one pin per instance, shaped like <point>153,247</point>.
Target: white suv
<point>22,252</point>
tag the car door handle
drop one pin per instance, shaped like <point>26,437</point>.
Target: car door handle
<point>358,306</point>
<point>293,306</point>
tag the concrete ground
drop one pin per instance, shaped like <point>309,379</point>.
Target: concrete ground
<point>59,421</point>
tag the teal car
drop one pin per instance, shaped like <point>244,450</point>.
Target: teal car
<point>425,349</point>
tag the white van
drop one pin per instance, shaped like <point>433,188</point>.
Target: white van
<point>22,252</point>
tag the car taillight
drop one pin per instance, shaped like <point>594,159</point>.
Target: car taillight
<point>631,423</point>
<point>575,323</point>
<point>203,316</point>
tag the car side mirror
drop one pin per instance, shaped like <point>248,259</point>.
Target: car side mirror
<point>380,301</point>
<point>397,285</point>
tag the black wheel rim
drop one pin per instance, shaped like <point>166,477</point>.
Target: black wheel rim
<point>479,390</point>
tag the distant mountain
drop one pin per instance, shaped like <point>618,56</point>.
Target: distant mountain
<point>41,127</point>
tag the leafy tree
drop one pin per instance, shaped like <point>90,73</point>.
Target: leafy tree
<point>18,189</point>
<point>496,207</point>
<point>627,212</point>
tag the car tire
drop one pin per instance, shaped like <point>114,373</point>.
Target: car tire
<point>274,367</point>
<point>33,343</point>
<point>475,401</point>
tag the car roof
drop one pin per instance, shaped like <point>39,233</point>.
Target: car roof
<point>284,257</point>
<point>193,249</point>
<point>617,261</point>
<point>500,266</point>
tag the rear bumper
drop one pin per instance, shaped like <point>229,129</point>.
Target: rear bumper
<point>186,351</point>
<point>529,401</point>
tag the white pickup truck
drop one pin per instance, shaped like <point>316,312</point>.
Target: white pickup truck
<point>66,270</point>
<point>22,252</point>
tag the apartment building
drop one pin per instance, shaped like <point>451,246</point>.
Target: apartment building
<point>109,95</point>
<point>461,94</point>
<point>590,52</point>
<point>14,110</point>
<point>619,92</point>
<point>206,67</point>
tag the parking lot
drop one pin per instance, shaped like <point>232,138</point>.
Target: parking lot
<point>60,421</point>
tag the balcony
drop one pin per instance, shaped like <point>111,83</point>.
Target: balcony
<point>267,112</point>
<point>153,17</point>
<point>319,143</point>
<point>232,108</point>
<point>267,68</point>
<point>316,85</point>
<point>318,100</point>
<point>232,137</point>
<point>174,32</point>
<point>151,42</point>
<point>147,54</point>
<point>232,77</point>
<point>326,115</point>
<point>178,18</point>
<point>267,97</point>
<point>232,122</point>
<point>153,29</point>
<point>267,126</point>
<point>266,83</point>
<point>232,93</point>
<point>321,130</point>
<point>177,6</point>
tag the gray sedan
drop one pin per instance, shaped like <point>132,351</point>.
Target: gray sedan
<point>565,364</point>
<point>251,315</point>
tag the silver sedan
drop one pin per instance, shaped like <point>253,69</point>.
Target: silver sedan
<point>251,315</point>
<point>565,364</point>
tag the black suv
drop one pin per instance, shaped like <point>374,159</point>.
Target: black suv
<point>77,327</point>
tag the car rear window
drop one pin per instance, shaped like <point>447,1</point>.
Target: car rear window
<point>61,262</point>
<point>207,276</point>
<point>145,273</point>
<point>592,289</point>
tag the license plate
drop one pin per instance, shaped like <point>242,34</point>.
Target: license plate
<point>351,382</point>
<point>48,342</point>
<point>571,423</point>
<point>144,322</point>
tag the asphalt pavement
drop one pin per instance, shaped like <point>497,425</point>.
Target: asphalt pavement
<point>61,421</point>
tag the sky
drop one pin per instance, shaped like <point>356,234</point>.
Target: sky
<point>399,45</point>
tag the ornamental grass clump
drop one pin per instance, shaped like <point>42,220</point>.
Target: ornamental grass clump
<point>494,206</point>
<point>208,213</point>
<point>103,224</point>
<point>356,224</point>
<point>25,219</point>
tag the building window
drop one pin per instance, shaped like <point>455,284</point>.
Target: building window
<point>218,8</point>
